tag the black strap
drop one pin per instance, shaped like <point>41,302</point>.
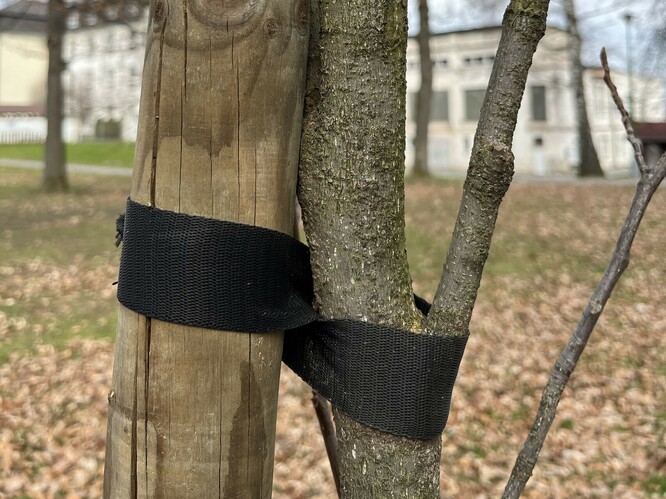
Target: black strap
<point>223,275</point>
<point>214,274</point>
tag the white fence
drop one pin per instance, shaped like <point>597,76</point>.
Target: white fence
<point>32,129</point>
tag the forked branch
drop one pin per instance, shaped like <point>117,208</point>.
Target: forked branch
<point>566,363</point>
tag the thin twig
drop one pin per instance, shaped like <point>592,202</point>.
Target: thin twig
<point>566,363</point>
<point>323,411</point>
<point>626,119</point>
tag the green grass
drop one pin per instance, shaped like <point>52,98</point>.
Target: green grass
<point>567,424</point>
<point>89,153</point>
<point>656,484</point>
<point>58,260</point>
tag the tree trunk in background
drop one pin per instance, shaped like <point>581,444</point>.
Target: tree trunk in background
<point>192,411</point>
<point>351,189</point>
<point>589,165</point>
<point>55,173</point>
<point>424,96</point>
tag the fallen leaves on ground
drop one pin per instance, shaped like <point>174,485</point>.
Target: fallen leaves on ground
<point>608,440</point>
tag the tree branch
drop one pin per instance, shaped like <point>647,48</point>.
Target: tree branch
<point>327,428</point>
<point>566,363</point>
<point>319,403</point>
<point>626,120</point>
<point>490,170</point>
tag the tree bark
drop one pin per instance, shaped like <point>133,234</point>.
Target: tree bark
<point>589,165</point>
<point>351,191</point>
<point>424,96</point>
<point>55,174</point>
<point>192,411</point>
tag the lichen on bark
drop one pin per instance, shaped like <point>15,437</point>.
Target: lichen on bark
<point>351,188</point>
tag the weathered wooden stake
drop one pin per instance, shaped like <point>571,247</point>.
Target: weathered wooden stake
<point>192,411</point>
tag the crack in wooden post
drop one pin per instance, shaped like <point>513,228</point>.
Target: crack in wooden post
<point>219,141</point>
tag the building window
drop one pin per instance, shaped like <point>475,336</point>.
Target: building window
<point>439,106</point>
<point>441,62</point>
<point>538,103</point>
<point>467,145</point>
<point>473,61</point>
<point>473,103</point>
<point>605,147</point>
<point>134,39</point>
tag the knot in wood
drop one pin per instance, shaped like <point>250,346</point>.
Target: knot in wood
<point>302,16</point>
<point>159,13</point>
<point>271,27</point>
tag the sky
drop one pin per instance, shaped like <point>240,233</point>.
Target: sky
<point>601,24</point>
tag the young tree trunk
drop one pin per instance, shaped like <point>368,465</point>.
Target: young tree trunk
<point>351,188</point>
<point>55,174</point>
<point>424,96</point>
<point>589,165</point>
<point>192,411</point>
<point>351,191</point>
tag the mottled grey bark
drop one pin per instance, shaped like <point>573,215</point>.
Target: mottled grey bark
<point>55,175</point>
<point>423,98</point>
<point>351,191</point>
<point>588,160</point>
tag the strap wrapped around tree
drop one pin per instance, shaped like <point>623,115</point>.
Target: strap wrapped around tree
<point>227,276</point>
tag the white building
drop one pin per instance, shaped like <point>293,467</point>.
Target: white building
<point>103,76</point>
<point>103,80</point>
<point>546,139</point>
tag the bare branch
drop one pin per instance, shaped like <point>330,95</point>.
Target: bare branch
<point>490,170</point>
<point>320,404</point>
<point>626,120</point>
<point>566,363</point>
<point>323,411</point>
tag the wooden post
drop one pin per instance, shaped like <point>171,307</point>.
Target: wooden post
<point>192,411</point>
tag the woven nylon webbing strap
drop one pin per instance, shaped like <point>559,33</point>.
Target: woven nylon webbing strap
<point>222,275</point>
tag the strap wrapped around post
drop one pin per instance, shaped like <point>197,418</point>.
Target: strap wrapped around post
<point>211,273</point>
<point>222,275</point>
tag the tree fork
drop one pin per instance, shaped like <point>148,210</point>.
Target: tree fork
<point>192,411</point>
<point>351,190</point>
